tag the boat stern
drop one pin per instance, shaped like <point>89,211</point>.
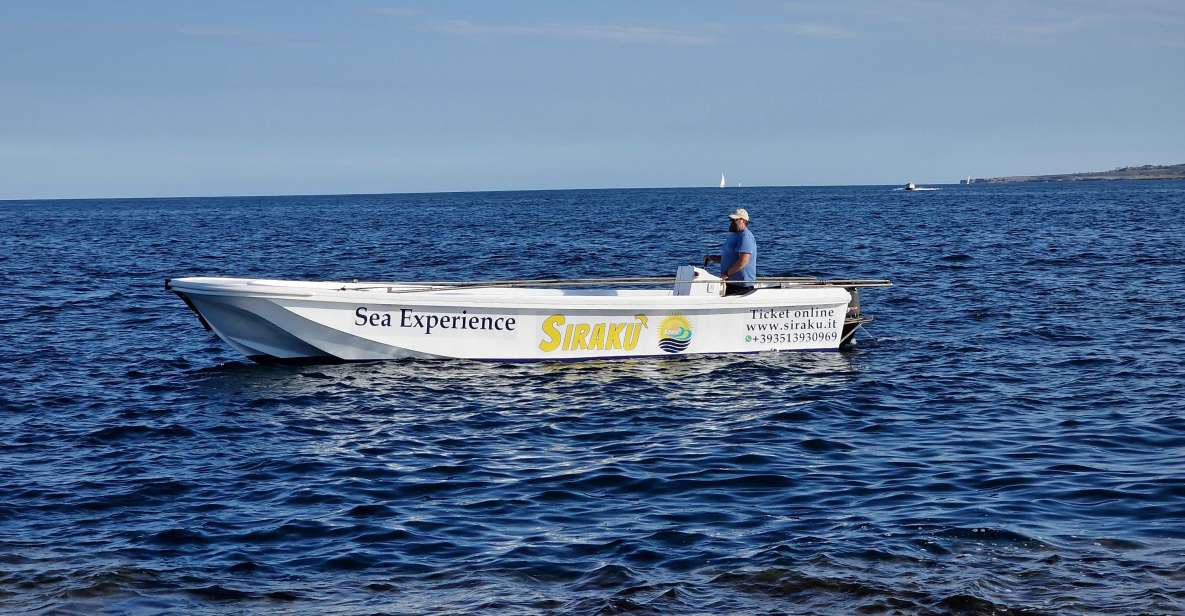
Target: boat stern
<point>854,320</point>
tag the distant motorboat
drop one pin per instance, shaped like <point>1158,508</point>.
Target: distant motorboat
<point>911,187</point>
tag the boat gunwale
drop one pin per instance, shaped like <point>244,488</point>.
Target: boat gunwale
<point>458,298</point>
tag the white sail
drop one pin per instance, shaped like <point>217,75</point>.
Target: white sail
<point>722,180</point>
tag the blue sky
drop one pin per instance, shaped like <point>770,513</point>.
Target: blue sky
<point>149,98</point>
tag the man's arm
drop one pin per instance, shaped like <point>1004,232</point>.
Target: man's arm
<point>741,262</point>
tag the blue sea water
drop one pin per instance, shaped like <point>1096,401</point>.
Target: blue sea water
<point>1007,438</point>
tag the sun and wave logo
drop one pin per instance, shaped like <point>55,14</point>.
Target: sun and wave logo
<point>674,334</point>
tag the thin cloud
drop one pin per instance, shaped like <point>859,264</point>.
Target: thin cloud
<point>1016,20</point>
<point>246,36</point>
<point>1049,29</point>
<point>394,12</point>
<point>234,34</point>
<point>603,33</point>
<point>819,31</point>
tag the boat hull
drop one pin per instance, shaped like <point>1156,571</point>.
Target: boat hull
<point>287,321</point>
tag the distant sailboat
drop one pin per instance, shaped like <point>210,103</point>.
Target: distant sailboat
<point>722,184</point>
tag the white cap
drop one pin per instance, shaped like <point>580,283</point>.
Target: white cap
<point>740,213</point>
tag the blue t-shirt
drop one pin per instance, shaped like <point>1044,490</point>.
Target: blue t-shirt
<point>738,242</point>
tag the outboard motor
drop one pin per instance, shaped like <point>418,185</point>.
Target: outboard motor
<point>853,320</point>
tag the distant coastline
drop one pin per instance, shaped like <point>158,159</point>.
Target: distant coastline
<point>1143,172</point>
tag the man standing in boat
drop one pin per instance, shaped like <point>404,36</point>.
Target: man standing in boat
<point>738,257</point>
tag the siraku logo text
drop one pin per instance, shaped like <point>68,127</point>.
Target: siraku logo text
<point>582,336</point>
<point>408,318</point>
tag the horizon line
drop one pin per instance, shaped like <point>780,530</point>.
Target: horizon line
<point>444,192</point>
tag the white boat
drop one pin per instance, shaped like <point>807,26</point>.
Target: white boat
<point>722,184</point>
<point>911,187</point>
<point>541,320</point>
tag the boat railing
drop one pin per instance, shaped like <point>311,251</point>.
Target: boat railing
<point>782,282</point>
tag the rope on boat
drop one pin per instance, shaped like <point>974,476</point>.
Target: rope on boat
<point>857,323</point>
